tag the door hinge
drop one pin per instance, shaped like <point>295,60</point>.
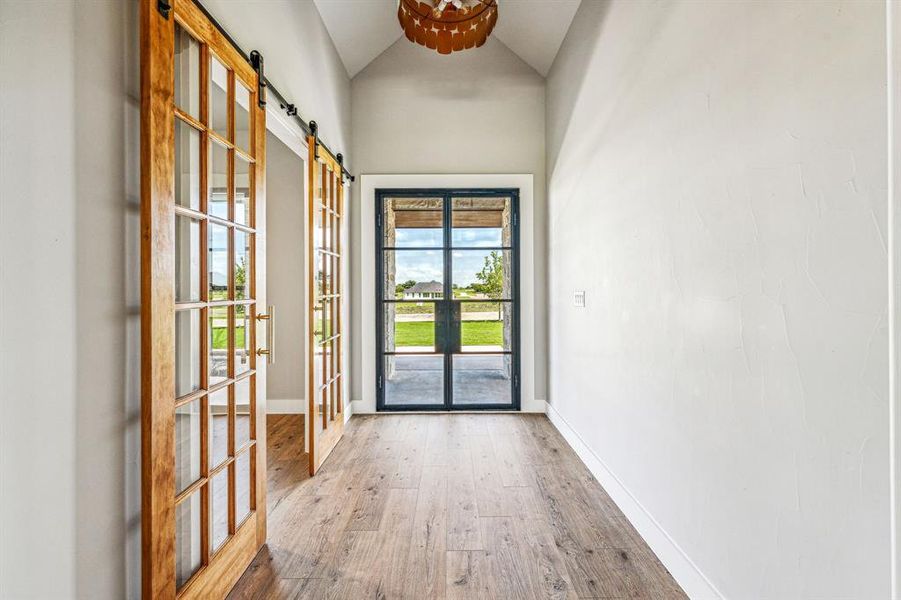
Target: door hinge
<point>378,219</point>
<point>165,7</point>
<point>380,382</point>
<point>516,381</point>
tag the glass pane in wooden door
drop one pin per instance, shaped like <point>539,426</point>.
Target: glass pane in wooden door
<point>187,165</point>
<point>188,552</point>
<point>187,72</point>
<point>187,352</point>
<point>218,98</point>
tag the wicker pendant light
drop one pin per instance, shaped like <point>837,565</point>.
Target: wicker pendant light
<point>447,25</point>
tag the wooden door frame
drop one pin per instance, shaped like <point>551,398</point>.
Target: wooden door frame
<point>157,30</point>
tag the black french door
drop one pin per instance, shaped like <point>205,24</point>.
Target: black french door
<point>447,299</point>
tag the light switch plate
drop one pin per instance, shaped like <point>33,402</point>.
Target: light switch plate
<point>579,299</point>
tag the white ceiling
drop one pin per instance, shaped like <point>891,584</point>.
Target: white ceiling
<point>363,29</point>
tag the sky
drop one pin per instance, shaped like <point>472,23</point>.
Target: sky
<point>426,265</point>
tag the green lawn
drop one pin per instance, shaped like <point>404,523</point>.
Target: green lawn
<point>474,333</point>
<point>220,338</point>
<point>427,307</point>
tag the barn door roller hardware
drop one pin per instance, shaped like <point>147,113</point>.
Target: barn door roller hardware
<point>256,61</point>
<point>265,86</point>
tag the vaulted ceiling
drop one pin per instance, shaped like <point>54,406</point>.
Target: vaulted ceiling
<point>363,29</point>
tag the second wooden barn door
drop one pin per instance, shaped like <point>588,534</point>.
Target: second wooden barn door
<point>326,225</point>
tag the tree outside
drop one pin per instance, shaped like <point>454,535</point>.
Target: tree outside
<point>491,278</point>
<point>402,287</point>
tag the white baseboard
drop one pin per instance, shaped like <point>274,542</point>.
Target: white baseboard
<point>285,406</point>
<point>348,411</point>
<point>529,406</point>
<point>682,568</point>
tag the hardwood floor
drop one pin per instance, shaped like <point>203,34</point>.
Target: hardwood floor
<point>445,506</point>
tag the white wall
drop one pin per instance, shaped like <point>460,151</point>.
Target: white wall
<point>717,185</point>
<point>69,274</point>
<point>285,282</point>
<point>67,299</point>
<point>417,112</point>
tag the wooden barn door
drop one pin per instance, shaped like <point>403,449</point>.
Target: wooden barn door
<point>326,225</point>
<point>202,225</point>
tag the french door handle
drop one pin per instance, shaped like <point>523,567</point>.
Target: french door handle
<point>269,351</point>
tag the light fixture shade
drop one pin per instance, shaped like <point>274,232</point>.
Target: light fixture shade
<point>449,26</point>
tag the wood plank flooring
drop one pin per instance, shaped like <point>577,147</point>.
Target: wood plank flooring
<point>466,506</point>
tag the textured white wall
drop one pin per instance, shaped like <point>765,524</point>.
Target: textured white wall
<point>717,185</point>
<point>68,299</point>
<point>417,112</point>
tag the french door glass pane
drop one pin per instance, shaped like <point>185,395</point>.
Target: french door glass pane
<point>326,227</point>
<point>187,539</point>
<point>218,97</point>
<point>187,72</point>
<point>217,261</point>
<point>318,323</point>
<point>326,319</point>
<point>326,275</point>
<point>242,486</point>
<point>318,238</point>
<point>187,165</point>
<point>242,412</point>
<point>218,509</point>
<point>187,445</point>
<point>242,190</point>
<point>318,381</point>
<point>187,351</point>
<point>242,339</point>
<point>327,362</point>
<point>242,264</point>
<point>242,116</point>
<point>486,326</point>
<point>218,344</point>
<point>481,222</point>
<point>218,181</point>
<point>218,427</point>
<point>483,379</point>
<point>413,222</point>
<point>414,379</point>
<point>409,326</point>
<point>482,274</point>
<point>413,274</point>
<point>187,259</point>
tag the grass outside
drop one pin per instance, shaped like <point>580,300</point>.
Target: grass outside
<point>474,333</point>
<point>220,338</point>
<point>428,308</point>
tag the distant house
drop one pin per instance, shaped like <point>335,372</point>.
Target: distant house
<point>424,291</point>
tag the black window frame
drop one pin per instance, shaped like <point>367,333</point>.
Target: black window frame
<point>444,314</point>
